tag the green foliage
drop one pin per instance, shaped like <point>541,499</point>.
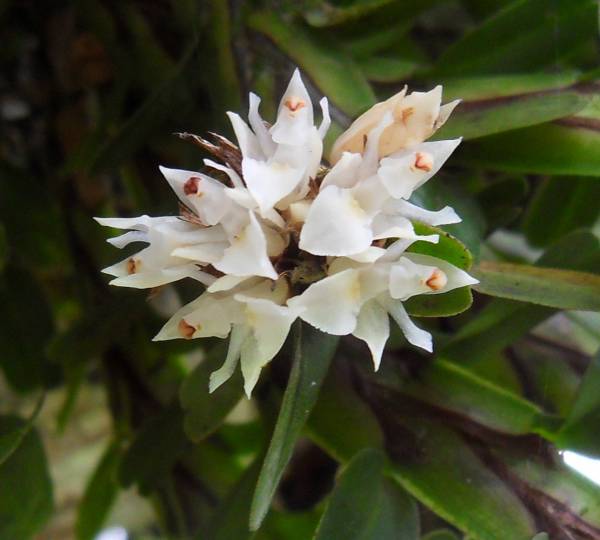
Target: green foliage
<point>459,444</point>
<point>26,495</point>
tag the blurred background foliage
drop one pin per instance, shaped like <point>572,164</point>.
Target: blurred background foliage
<point>97,421</point>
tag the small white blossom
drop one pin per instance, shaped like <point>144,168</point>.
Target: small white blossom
<point>273,234</point>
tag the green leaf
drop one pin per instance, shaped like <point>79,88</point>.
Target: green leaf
<point>440,305</point>
<point>452,387</point>
<point>205,412</point>
<point>313,352</point>
<point>525,34</point>
<point>27,327</point>
<point>561,289</point>
<point>230,518</point>
<point>450,479</point>
<point>334,73</point>
<point>502,321</point>
<point>560,206</point>
<point>480,119</point>
<point>173,93</point>
<point>495,86</point>
<point>440,534</point>
<point>100,494</point>
<point>11,435</point>
<point>448,247</point>
<point>567,147</point>
<point>328,13</point>
<point>338,405</point>
<point>502,201</point>
<point>577,432</point>
<point>3,247</point>
<point>575,492</point>
<point>541,536</point>
<point>154,450</point>
<point>386,513</point>
<point>26,494</point>
<point>382,69</point>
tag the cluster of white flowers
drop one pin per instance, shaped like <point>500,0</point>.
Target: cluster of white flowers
<point>275,235</point>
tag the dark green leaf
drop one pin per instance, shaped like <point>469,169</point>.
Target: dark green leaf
<point>328,13</point>
<point>525,34</point>
<point>480,119</point>
<point>501,202</point>
<point>449,386</point>
<point>386,513</point>
<point>173,93</point>
<point>12,435</point>
<point>560,206</point>
<point>3,247</point>
<point>153,452</point>
<point>313,351</point>
<point>26,493</point>
<point>503,321</point>
<point>440,305</point>
<point>27,327</point>
<point>387,70</point>
<point>330,69</point>
<point>576,433</point>
<point>450,479</point>
<point>448,247</point>
<point>566,147</point>
<point>561,289</point>
<point>205,412</point>
<point>441,534</point>
<point>230,519</point>
<point>495,86</point>
<point>99,495</point>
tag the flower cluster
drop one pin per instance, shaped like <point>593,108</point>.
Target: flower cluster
<point>275,235</point>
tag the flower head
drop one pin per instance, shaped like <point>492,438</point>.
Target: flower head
<point>273,234</point>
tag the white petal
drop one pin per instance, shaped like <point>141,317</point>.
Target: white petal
<point>445,216</point>
<point>157,277</point>
<point>408,278</point>
<point>295,114</point>
<point>207,253</point>
<point>396,249</point>
<point>369,255</point>
<point>226,283</point>
<point>270,325</point>
<point>456,277</point>
<point>405,171</point>
<point>326,122</point>
<point>344,173</point>
<point>331,304</point>
<point>233,176</point>
<point>371,195</point>
<point>373,327</point>
<point>141,223</point>
<point>269,182</point>
<point>335,225</point>
<point>247,255</point>
<point>352,140</point>
<point>247,140</point>
<point>207,316</point>
<point>127,238</point>
<point>445,112</point>
<point>371,151</point>
<point>415,118</point>
<point>239,333</point>
<point>412,333</point>
<point>262,133</point>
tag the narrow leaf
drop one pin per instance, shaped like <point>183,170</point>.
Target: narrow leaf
<point>11,435</point>
<point>561,289</point>
<point>26,494</point>
<point>480,119</point>
<point>336,75</point>
<point>313,352</point>
<point>388,513</point>
<point>99,495</point>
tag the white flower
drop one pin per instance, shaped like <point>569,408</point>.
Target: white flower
<point>273,234</point>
